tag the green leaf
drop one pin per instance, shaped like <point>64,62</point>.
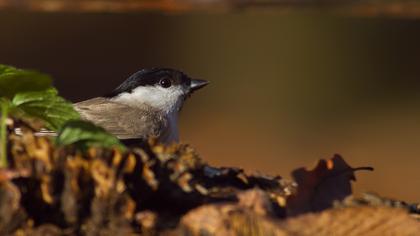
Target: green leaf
<point>13,81</point>
<point>85,134</point>
<point>47,106</point>
<point>4,105</point>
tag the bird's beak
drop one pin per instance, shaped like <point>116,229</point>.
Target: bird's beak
<point>197,84</point>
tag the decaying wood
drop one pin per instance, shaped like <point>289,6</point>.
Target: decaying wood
<point>366,220</point>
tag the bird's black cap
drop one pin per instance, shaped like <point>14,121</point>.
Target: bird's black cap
<point>150,77</point>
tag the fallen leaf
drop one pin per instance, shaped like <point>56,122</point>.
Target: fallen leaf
<point>317,189</point>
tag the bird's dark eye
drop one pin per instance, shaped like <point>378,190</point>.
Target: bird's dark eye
<point>166,83</point>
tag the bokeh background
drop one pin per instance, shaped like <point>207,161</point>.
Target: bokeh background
<point>287,88</point>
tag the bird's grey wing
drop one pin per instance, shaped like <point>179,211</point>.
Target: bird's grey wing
<point>121,120</point>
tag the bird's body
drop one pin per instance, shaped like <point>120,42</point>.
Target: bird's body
<point>121,120</point>
<point>143,106</point>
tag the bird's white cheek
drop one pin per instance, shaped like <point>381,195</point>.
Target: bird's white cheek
<point>165,99</point>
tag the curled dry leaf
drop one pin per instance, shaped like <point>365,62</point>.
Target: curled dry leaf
<point>317,189</point>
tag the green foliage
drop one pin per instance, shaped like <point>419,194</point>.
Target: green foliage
<point>25,93</point>
<point>4,104</point>
<point>47,106</point>
<point>13,81</point>
<point>85,134</point>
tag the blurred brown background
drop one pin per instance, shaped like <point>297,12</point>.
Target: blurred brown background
<point>287,88</point>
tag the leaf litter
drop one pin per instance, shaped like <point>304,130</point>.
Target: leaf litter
<point>169,190</point>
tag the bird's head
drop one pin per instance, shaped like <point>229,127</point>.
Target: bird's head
<point>160,88</point>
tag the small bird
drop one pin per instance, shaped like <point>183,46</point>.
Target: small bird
<point>145,105</point>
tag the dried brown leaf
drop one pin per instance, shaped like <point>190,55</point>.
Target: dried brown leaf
<point>319,188</point>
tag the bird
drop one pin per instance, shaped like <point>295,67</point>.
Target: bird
<point>145,105</point>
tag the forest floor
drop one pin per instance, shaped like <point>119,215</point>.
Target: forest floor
<point>170,190</point>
